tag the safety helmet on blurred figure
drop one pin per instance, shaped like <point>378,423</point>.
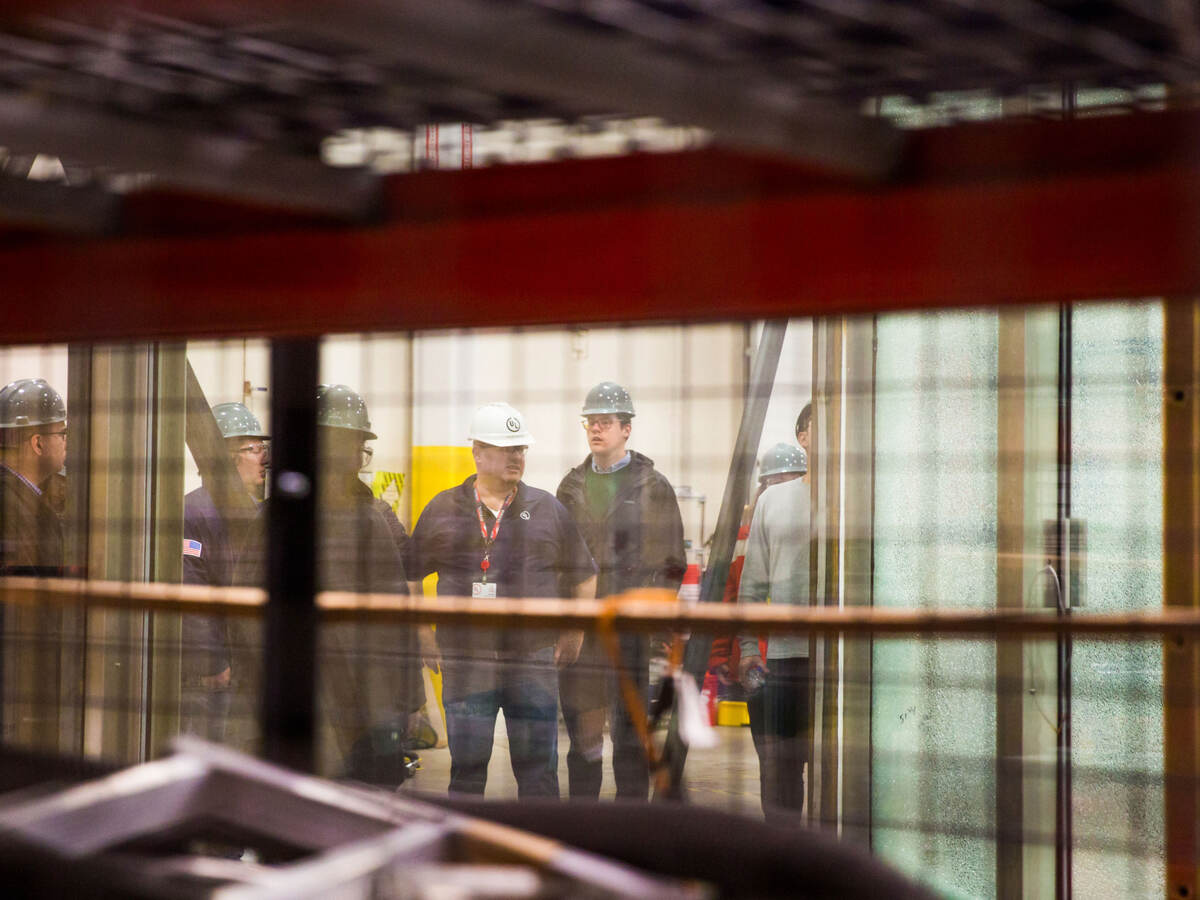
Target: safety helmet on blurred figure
<point>30,401</point>
<point>500,425</point>
<point>782,459</point>
<point>235,420</point>
<point>608,397</point>
<point>340,407</point>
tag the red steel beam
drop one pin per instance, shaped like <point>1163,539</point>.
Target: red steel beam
<point>979,217</point>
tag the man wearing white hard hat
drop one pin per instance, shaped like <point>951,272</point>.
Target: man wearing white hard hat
<point>493,536</point>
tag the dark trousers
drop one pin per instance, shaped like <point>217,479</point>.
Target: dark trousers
<point>590,690</point>
<point>527,691</point>
<point>780,726</point>
<point>204,711</point>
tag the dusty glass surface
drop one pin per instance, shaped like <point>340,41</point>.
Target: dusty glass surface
<point>933,713</point>
<point>1116,487</point>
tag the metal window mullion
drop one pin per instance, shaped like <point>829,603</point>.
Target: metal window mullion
<point>290,632</point>
<point>1181,591</point>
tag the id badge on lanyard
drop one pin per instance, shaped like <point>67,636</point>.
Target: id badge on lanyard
<point>483,588</point>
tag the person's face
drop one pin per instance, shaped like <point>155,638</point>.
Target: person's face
<point>341,450</point>
<point>803,436</point>
<point>605,433</point>
<point>51,448</point>
<point>251,456</point>
<point>506,464</point>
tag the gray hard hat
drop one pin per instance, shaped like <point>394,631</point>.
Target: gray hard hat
<point>340,407</point>
<point>782,459</point>
<point>28,402</point>
<point>608,397</point>
<point>235,420</point>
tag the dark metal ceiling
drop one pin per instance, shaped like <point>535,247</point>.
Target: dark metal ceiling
<point>240,98</point>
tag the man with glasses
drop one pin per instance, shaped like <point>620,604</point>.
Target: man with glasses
<point>208,558</point>
<point>629,517</point>
<point>33,448</point>
<point>495,536</point>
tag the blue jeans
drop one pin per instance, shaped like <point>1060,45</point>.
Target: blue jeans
<point>527,690</point>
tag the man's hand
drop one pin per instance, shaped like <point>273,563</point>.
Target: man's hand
<point>748,663</point>
<point>566,651</point>
<point>218,681</point>
<point>431,654</point>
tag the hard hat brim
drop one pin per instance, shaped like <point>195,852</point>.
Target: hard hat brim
<point>367,435</point>
<point>515,441</point>
<point>607,411</point>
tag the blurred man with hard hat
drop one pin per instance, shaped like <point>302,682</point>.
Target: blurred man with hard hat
<point>776,568</point>
<point>495,536</point>
<point>368,674</point>
<point>783,462</point>
<point>629,517</point>
<point>208,558</point>
<point>33,447</point>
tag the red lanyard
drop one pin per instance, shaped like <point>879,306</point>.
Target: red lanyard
<point>489,539</point>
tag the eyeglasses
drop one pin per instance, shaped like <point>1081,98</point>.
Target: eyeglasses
<point>368,453</point>
<point>602,422</point>
<point>54,433</point>
<point>256,449</point>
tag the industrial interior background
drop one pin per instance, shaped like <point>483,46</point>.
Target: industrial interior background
<point>979,221</point>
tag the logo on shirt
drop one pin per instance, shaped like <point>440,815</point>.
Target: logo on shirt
<point>525,514</point>
<point>513,424</point>
<point>192,548</point>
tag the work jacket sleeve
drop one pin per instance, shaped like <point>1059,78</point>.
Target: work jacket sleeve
<point>575,563</point>
<point>421,551</point>
<point>755,573</point>
<point>670,560</point>
<point>250,553</point>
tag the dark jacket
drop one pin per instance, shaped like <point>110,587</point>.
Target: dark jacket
<point>369,672</point>
<point>395,526</point>
<point>31,533</point>
<point>639,541</point>
<point>357,548</point>
<point>207,559</point>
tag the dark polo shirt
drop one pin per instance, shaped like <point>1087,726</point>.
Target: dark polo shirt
<point>539,552</point>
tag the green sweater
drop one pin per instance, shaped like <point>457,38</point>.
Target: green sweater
<point>599,490</point>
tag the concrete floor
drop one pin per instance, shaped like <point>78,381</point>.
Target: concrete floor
<point>724,777</point>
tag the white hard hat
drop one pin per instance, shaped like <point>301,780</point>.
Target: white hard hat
<point>500,425</point>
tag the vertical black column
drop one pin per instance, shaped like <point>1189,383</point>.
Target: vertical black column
<point>290,630</point>
<point>1066,575</point>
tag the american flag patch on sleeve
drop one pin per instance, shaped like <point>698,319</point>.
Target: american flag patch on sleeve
<point>192,548</point>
